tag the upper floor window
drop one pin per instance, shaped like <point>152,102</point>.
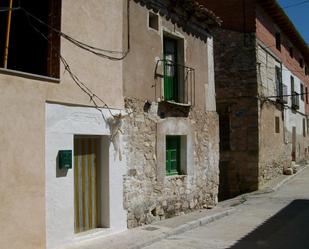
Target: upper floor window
<point>281,89</point>
<point>278,41</point>
<point>278,78</point>
<point>301,62</point>
<point>292,83</point>
<point>153,21</point>
<point>174,70</point>
<point>302,93</point>
<point>294,95</point>
<point>26,44</point>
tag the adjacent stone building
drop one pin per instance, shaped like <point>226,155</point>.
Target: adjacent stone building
<point>110,123</point>
<point>261,74</point>
<point>171,135</point>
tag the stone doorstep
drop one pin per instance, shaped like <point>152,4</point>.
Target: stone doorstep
<point>140,237</point>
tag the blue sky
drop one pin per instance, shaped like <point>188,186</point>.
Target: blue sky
<point>299,16</point>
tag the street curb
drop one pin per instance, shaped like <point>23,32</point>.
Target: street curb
<point>208,219</point>
<point>284,181</point>
<point>185,227</point>
<point>200,222</point>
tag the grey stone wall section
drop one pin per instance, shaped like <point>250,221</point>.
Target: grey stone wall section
<point>236,92</point>
<point>146,197</point>
<point>274,153</point>
<point>256,154</point>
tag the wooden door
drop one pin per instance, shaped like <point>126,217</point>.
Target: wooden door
<point>85,183</point>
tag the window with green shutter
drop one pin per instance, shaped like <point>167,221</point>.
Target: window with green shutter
<point>173,144</point>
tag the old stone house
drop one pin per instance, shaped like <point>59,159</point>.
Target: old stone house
<point>107,124</point>
<point>171,131</point>
<point>262,80</point>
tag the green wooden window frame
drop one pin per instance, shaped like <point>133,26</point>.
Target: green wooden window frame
<point>173,145</point>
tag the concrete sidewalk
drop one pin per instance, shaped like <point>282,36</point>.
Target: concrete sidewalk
<point>143,236</point>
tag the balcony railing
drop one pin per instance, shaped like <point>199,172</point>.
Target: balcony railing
<point>178,82</point>
<point>295,100</point>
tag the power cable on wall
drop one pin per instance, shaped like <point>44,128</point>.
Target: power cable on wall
<point>115,122</point>
<point>94,98</point>
<point>95,50</point>
<point>75,41</point>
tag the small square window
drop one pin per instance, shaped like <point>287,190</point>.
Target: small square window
<point>153,21</point>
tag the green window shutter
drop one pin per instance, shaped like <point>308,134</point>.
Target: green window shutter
<point>170,70</point>
<point>173,155</point>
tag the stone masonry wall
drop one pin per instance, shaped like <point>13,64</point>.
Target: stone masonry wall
<point>274,149</point>
<point>145,198</point>
<point>275,153</point>
<point>236,91</point>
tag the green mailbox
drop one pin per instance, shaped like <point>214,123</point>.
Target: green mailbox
<point>65,159</point>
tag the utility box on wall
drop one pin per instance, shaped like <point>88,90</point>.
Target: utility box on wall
<point>65,159</point>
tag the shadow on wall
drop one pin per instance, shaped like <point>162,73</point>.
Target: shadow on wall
<point>60,172</point>
<point>288,229</point>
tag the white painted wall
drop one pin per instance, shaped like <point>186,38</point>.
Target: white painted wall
<point>62,123</point>
<point>293,119</point>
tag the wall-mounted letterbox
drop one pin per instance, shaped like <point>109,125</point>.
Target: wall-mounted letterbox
<point>65,159</point>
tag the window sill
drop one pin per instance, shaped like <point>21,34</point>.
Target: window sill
<point>175,177</point>
<point>28,75</point>
<point>177,103</point>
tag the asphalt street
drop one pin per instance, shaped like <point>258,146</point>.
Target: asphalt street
<point>278,220</point>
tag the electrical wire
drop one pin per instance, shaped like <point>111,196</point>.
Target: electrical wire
<point>270,67</point>
<point>94,98</point>
<point>97,51</point>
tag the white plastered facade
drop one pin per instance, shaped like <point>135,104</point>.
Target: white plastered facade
<point>268,61</point>
<point>293,119</point>
<point>62,124</point>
